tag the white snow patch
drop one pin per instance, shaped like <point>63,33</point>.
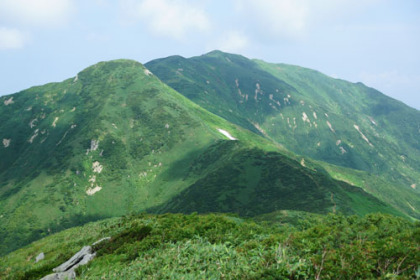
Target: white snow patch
<point>373,121</point>
<point>76,78</point>
<point>167,126</point>
<point>257,91</point>
<point>32,123</point>
<point>305,118</point>
<point>326,115</point>
<point>97,167</point>
<point>302,103</point>
<point>319,144</point>
<point>227,134</point>
<point>302,162</point>
<point>9,101</point>
<point>315,116</point>
<point>330,126</point>
<point>92,179</point>
<point>6,142</point>
<point>338,142</point>
<point>54,124</point>
<point>74,109</point>
<point>92,191</point>
<point>114,125</point>
<point>33,136</point>
<point>363,136</point>
<point>147,72</point>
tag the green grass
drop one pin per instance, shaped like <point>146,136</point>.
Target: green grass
<point>222,246</point>
<point>294,106</point>
<point>159,151</point>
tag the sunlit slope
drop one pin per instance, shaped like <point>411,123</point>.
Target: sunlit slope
<point>94,146</point>
<point>115,140</point>
<point>334,121</point>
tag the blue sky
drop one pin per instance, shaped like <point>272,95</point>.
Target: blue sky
<point>376,42</point>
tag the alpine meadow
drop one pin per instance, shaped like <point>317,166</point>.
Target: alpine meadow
<point>209,167</point>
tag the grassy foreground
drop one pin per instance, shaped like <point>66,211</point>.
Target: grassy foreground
<point>282,245</point>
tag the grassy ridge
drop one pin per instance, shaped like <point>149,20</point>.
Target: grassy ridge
<point>116,140</point>
<point>115,115</point>
<point>251,181</point>
<point>221,246</point>
<point>311,114</point>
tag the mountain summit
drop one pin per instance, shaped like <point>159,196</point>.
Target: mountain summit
<point>115,140</point>
<point>331,120</point>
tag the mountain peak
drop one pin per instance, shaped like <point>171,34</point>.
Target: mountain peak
<point>115,68</point>
<point>112,65</point>
<point>222,54</point>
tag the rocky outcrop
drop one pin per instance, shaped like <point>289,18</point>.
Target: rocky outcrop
<point>67,269</point>
<point>40,257</point>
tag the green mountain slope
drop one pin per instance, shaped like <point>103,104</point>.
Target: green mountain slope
<point>116,140</point>
<point>94,146</point>
<point>313,115</point>
<point>235,178</point>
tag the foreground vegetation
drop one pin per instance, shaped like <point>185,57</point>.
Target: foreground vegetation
<point>282,245</point>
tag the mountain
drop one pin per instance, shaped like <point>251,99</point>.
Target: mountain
<point>330,120</point>
<point>115,140</point>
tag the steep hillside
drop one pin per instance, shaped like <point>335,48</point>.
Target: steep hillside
<point>313,115</point>
<point>94,146</point>
<point>115,140</point>
<point>235,178</point>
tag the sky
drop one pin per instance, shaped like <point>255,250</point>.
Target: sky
<point>376,42</point>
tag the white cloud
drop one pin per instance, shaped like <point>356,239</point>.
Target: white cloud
<point>275,17</point>
<point>232,41</point>
<point>293,19</point>
<point>169,18</point>
<point>11,38</point>
<point>45,13</point>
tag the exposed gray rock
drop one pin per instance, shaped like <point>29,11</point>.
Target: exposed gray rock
<point>61,275</point>
<point>66,270</point>
<point>80,258</point>
<point>40,257</point>
<point>101,240</point>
